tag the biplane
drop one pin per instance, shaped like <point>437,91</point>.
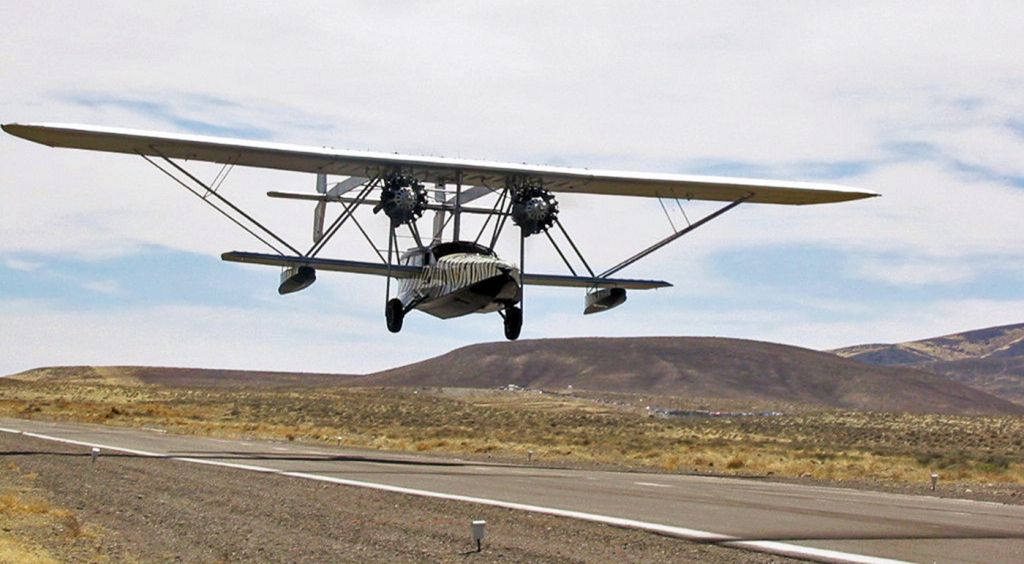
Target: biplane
<point>445,277</point>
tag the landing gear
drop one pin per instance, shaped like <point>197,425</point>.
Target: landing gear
<point>394,312</point>
<point>513,322</point>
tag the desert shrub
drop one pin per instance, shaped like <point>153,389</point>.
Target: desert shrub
<point>957,460</point>
<point>994,463</point>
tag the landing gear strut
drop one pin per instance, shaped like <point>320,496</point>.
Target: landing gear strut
<point>513,322</point>
<point>394,312</point>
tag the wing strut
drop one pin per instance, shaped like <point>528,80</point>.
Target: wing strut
<point>495,210</point>
<point>347,212</point>
<point>572,244</point>
<point>212,191</point>
<point>673,237</point>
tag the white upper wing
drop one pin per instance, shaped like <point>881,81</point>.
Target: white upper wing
<point>429,169</point>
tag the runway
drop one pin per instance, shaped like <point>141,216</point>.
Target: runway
<point>819,523</point>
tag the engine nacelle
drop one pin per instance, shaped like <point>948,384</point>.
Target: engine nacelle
<point>402,198</point>
<point>295,278</point>
<point>534,209</point>
<point>604,299</point>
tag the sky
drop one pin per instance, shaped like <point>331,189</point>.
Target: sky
<point>104,261</point>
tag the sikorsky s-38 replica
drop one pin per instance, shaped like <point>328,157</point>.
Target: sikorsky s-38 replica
<point>445,278</point>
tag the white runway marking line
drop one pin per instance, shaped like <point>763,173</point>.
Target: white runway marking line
<point>773,547</point>
<point>652,484</point>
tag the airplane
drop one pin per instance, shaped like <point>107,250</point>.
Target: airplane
<point>443,278</point>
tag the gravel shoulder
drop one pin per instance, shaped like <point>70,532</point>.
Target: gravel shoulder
<point>145,509</point>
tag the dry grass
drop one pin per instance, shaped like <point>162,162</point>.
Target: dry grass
<point>616,430</point>
<point>30,521</point>
<point>16,551</point>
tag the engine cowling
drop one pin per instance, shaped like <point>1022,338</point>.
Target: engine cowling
<point>402,198</point>
<point>534,209</point>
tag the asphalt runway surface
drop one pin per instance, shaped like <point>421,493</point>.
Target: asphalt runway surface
<point>817,523</point>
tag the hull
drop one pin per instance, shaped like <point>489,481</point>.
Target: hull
<point>485,296</point>
<point>463,283</point>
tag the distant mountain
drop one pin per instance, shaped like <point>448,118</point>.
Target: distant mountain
<point>178,377</point>
<point>693,366</point>
<point>712,368</point>
<point>990,359</point>
<point>994,342</point>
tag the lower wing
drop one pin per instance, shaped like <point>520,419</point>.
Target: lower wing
<point>405,271</point>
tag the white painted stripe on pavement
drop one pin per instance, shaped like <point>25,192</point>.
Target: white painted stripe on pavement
<point>773,547</point>
<point>652,484</point>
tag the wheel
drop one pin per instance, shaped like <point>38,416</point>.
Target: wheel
<point>513,322</point>
<point>394,312</point>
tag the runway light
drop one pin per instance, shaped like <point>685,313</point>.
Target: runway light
<point>529,456</point>
<point>935,480</point>
<point>478,533</point>
<point>95,454</point>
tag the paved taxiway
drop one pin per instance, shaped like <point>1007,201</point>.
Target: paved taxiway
<point>812,522</point>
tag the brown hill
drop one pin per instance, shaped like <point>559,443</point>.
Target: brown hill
<point>992,342</point>
<point>1003,377</point>
<point>990,359</point>
<point>179,377</point>
<point>692,366</point>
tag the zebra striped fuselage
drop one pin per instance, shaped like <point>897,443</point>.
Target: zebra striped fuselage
<point>460,283</point>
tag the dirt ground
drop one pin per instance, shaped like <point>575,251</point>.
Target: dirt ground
<point>126,508</point>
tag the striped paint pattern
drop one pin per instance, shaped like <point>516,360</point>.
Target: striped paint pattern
<point>454,272</point>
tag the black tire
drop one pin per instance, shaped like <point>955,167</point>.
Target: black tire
<point>513,322</point>
<point>394,312</point>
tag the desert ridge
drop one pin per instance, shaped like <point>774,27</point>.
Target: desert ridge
<point>990,359</point>
<point>704,367</point>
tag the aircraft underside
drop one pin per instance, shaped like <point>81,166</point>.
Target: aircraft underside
<point>459,283</point>
<point>487,296</point>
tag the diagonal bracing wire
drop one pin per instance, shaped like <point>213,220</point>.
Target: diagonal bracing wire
<point>494,211</point>
<point>224,200</point>
<point>345,214</point>
<point>558,222</point>
<point>202,197</point>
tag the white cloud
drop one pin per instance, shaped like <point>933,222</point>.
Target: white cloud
<point>107,287</point>
<point>21,265</point>
<point>993,148</point>
<point>858,322</point>
<point>38,333</point>
<point>894,324</point>
<point>926,210</point>
<point>943,271</point>
<point>659,86</point>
